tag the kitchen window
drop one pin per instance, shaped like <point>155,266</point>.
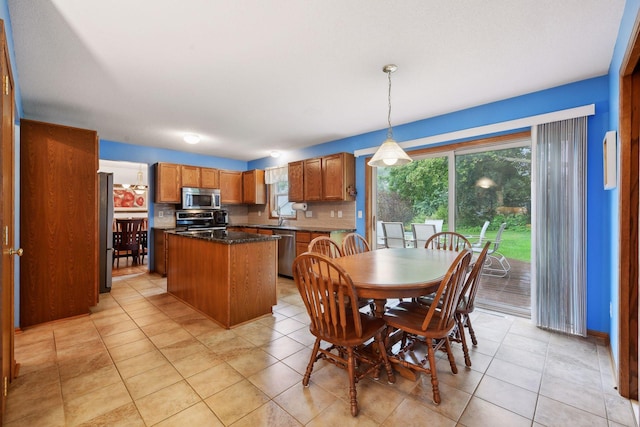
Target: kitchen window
<point>280,206</point>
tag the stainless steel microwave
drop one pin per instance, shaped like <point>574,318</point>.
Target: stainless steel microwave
<point>200,198</point>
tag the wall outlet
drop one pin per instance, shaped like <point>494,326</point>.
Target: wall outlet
<point>308,214</point>
<point>160,214</point>
<point>333,214</point>
<point>359,214</point>
<point>259,213</point>
<point>339,214</point>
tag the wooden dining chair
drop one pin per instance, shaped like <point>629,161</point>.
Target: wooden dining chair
<point>429,326</point>
<point>353,243</point>
<point>448,241</point>
<point>325,289</point>
<point>466,304</point>
<point>325,246</point>
<point>127,244</point>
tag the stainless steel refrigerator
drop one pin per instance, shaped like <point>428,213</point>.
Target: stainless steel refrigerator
<point>105,229</point>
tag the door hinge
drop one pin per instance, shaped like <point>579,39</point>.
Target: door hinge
<point>5,84</point>
<point>5,387</point>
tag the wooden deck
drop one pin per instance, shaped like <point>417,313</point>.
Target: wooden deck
<point>510,294</point>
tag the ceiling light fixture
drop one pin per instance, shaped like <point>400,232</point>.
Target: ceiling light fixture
<point>191,138</point>
<point>389,153</point>
<point>275,154</point>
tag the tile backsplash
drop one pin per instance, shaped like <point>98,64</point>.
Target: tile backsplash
<point>258,214</point>
<point>321,215</point>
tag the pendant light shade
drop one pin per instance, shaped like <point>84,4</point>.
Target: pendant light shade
<point>389,153</point>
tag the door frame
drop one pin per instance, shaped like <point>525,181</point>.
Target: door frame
<point>628,276</point>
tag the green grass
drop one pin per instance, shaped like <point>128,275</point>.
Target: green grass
<point>515,244</point>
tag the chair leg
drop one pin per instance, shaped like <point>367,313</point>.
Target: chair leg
<point>387,365</point>
<point>351,364</point>
<point>471,331</point>
<point>452,360</point>
<point>432,367</point>
<point>312,361</point>
<point>463,339</point>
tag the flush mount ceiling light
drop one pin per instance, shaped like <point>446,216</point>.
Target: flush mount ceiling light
<point>389,153</point>
<point>191,138</point>
<point>275,154</point>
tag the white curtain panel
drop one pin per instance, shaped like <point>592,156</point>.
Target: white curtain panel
<point>276,174</point>
<point>561,177</point>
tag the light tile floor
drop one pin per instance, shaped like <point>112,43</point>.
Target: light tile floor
<point>144,358</point>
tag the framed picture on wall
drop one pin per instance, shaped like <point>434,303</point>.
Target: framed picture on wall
<point>129,199</point>
<point>610,160</point>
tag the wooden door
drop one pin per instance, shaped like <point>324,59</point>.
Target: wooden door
<point>190,176</point>
<point>209,178</point>
<point>230,187</point>
<point>168,183</point>
<point>296,181</point>
<point>59,185</point>
<point>7,171</point>
<point>313,179</point>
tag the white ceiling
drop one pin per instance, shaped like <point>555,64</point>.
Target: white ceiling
<point>251,76</point>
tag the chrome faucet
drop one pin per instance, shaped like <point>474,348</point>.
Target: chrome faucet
<point>280,221</point>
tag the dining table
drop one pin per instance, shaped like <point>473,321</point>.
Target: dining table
<point>390,273</point>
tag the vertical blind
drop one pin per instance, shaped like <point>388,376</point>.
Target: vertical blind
<point>561,172</point>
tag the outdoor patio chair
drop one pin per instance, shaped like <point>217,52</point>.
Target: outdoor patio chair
<point>393,235</point>
<point>496,264</point>
<point>435,222</point>
<point>481,238</point>
<point>421,233</point>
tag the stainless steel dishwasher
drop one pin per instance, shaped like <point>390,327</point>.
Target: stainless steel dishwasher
<point>286,251</point>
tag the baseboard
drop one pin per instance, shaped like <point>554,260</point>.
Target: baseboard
<point>601,338</point>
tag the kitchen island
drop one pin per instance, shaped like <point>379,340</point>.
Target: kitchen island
<point>229,276</point>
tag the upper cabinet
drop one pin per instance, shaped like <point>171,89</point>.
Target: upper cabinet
<point>230,187</point>
<point>313,180</point>
<point>296,181</point>
<point>254,190</point>
<point>168,183</point>
<point>209,178</point>
<point>328,178</point>
<point>190,176</point>
<point>236,187</point>
<point>338,177</point>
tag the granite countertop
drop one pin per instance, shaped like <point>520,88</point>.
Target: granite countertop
<point>225,236</point>
<point>312,229</point>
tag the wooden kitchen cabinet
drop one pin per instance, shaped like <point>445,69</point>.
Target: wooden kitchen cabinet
<point>209,178</point>
<point>230,187</point>
<point>160,251</point>
<point>168,183</point>
<point>190,176</point>
<point>254,190</point>
<point>296,181</point>
<point>303,238</point>
<point>313,179</point>
<point>329,178</point>
<point>338,174</point>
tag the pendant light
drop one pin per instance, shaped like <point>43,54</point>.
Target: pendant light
<point>389,153</point>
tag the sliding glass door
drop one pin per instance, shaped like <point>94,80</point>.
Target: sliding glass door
<point>460,190</point>
<point>494,185</point>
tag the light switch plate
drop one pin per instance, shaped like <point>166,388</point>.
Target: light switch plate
<point>339,214</point>
<point>333,214</point>
<point>308,214</point>
<point>160,214</point>
<point>359,214</point>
